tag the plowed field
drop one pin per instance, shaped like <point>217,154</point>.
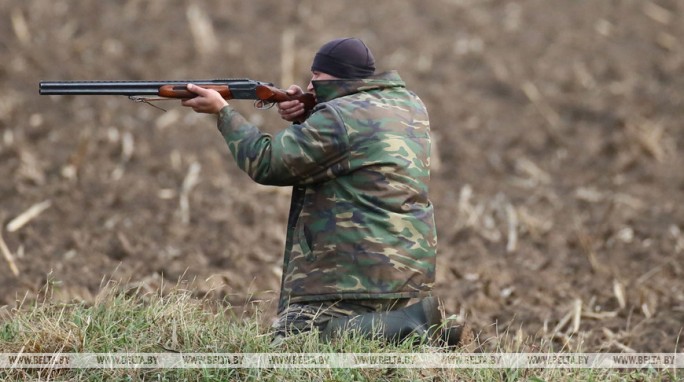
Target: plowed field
<point>558,176</point>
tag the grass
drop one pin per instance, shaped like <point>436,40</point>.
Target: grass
<point>121,320</point>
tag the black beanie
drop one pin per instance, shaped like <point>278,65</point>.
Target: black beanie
<point>346,58</point>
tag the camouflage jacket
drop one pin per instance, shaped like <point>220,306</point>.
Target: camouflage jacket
<point>361,224</point>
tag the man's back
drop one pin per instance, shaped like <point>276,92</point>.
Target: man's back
<point>366,229</point>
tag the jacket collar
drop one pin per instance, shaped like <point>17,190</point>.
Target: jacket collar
<point>327,90</point>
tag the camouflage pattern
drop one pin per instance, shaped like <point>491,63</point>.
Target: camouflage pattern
<point>361,225</point>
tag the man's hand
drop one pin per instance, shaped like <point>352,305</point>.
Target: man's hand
<point>207,100</point>
<point>292,111</point>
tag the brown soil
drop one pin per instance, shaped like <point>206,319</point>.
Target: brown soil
<point>557,178</point>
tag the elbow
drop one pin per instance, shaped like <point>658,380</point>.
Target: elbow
<point>265,178</point>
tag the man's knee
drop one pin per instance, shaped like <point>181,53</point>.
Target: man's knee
<point>299,318</point>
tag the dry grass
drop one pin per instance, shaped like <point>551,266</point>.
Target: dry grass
<point>131,320</point>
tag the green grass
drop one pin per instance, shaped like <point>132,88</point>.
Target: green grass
<point>129,321</point>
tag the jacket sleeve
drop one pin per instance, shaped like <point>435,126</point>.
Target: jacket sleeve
<point>314,151</point>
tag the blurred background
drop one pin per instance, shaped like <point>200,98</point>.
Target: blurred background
<point>557,176</point>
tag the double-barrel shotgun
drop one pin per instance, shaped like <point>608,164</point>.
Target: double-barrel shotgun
<point>264,94</point>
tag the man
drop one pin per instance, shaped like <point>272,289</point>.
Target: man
<point>361,239</point>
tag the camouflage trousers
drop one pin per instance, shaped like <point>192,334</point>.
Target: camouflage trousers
<point>303,317</point>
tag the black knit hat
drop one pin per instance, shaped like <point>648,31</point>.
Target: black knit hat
<point>347,58</point>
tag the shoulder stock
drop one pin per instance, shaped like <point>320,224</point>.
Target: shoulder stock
<point>272,94</point>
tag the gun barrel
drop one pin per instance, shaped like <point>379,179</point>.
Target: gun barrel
<point>241,88</point>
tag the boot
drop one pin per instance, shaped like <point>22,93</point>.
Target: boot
<point>421,319</point>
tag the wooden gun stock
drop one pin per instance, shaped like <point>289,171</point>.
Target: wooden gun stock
<point>265,93</point>
<point>272,94</point>
<point>181,91</point>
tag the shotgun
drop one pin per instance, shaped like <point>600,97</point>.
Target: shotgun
<point>264,94</point>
